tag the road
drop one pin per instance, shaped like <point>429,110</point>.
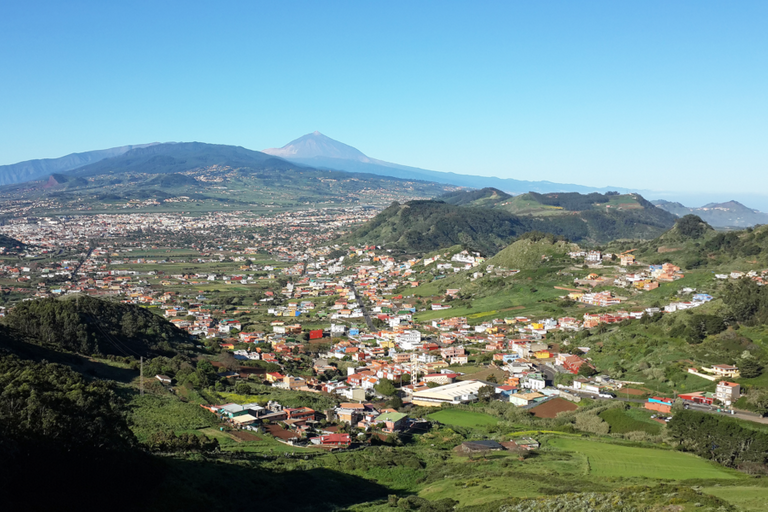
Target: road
<point>742,415</point>
<point>80,264</point>
<point>362,306</point>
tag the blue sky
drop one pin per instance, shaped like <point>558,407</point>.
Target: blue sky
<point>649,95</point>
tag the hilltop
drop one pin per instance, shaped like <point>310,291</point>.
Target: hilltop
<point>320,151</point>
<point>422,226</point>
<point>693,243</point>
<point>486,197</point>
<point>87,325</point>
<point>485,223</point>
<point>10,244</point>
<point>528,253</point>
<point>730,214</point>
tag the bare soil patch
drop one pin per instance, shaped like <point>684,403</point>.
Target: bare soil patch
<point>551,408</point>
<point>245,436</point>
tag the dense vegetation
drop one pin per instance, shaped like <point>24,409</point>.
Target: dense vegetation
<point>479,197</point>
<point>693,243</point>
<point>572,201</point>
<point>50,405</point>
<point>87,325</point>
<point>423,226</point>
<point>720,439</point>
<point>10,244</point>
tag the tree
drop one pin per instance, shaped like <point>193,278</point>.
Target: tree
<point>228,360</point>
<point>758,399</point>
<point>585,370</point>
<point>750,368</point>
<point>486,393</point>
<point>566,379</point>
<point>746,299</point>
<point>692,226</point>
<point>492,378</point>
<point>242,388</point>
<point>385,387</point>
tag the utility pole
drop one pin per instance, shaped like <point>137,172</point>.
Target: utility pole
<point>141,375</point>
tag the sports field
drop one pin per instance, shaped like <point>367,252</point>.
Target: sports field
<point>462,418</point>
<point>626,461</point>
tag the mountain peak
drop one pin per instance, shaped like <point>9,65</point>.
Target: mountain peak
<point>315,144</point>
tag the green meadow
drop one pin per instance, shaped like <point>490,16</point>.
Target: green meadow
<point>462,418</point>
<point>613,460</point>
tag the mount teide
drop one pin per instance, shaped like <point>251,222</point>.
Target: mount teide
<point>320,151</point>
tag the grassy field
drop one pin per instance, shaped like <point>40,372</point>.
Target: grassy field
<point>632,420</point>
<point>462,418</point>
<point>154,413</point>
<point>744,498</point>
<point>611,460</point>
<point>466,369</point>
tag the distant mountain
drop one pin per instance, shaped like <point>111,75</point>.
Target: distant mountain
<point>320,151</point>
<point>178,157</point>
<point>36,169</point>
<point>730,214</point>
<point>215,176</point>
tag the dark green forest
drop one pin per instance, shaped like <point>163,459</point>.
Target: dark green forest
<point>87,325</point>
<point>720,439</point>
<point>422,226</point>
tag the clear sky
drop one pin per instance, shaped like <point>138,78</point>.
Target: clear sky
<point>645,94</point>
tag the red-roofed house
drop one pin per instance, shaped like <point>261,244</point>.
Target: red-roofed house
<point>332,440</point>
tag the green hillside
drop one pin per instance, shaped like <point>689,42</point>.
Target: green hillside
<point>87,325</point>
<point>10,244</point>
<point>528,253</point>
<point>693,243</point>
<point>485,197</point>
<point>422,226</point>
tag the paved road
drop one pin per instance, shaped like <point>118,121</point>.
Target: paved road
<point>362,306</point>
<point>80,264</point>
<point>742,415</point>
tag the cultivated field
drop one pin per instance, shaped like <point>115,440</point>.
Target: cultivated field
<point>611,460</point>
<point>462,418</point>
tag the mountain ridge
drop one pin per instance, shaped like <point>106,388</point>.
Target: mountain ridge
<point>728,214</point>
<point>30,170</point>
<point>321,151</point>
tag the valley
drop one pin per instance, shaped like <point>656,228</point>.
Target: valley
<point>258,359</point>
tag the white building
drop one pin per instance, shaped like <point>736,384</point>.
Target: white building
<point>727,392</point>
<point>410,337</point>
